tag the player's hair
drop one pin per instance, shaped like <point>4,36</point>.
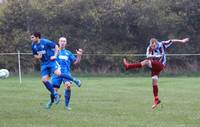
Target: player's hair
<point>63,38</point>
<point>36,34</point>
<point>153,40</point>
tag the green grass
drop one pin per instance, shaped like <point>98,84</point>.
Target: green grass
<point>102,102</point>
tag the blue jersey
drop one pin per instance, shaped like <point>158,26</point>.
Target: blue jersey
<point>44,47</point>
<point>159,51</point>
<point>64,59</point>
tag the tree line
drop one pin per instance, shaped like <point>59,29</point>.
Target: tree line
<point>100,26</point>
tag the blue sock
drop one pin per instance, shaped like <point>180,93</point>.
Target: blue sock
<point>55,93</point>
<point>49,87</point>
<point>52,98</point>
<point>66,76</point>
<point>67,97</point>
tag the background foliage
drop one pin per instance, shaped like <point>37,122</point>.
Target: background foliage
<point>101,26</point>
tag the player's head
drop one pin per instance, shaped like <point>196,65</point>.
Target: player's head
<point>153,43</point>
<point>35,36</point>
<point>62,42</point>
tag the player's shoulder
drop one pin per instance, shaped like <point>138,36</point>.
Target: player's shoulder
<point>64,52</point>
<point>68,51</point>
<point>44,40</point>
<point>160,43</point>
<point>34,46</point>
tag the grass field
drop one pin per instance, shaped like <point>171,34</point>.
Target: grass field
<point>102,102</point>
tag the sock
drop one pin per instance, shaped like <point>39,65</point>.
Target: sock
<point>66,76</point>
<point>55,93</point>
<point>155,92</point>
<point>52,98</point>
<point>134,65</point>
<point>67,97</point>
<point>49,87</point>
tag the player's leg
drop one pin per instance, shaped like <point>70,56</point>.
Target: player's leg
<point>68,77</point>
<point>128,65</point>
<point>56,81</point>
<point>157,67</point>
<point>67,87</point>
<point>155,91</point>
<point>56,70</point>
<point>54,98</point>
<point>45,78</point>
<point>56,88</point>
<point>50,88</point>
<point>45,72</point>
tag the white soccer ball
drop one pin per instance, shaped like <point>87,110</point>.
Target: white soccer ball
<point>4,73</point>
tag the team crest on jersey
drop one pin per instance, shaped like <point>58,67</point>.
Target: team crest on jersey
<point>41,52</point>
<point>42,46</point>
<point>63,57</point>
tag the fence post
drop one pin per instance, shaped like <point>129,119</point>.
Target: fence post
<point>19,67</point>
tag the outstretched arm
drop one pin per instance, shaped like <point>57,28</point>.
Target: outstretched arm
<point>167,43</point>
<point>180,41</point>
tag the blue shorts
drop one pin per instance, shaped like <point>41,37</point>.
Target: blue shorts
<point>49,68</point>
<point>57,81</point>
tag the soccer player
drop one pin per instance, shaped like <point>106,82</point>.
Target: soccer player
<point>65,58</point>
<point>156,61</point>
<point>46,51</point>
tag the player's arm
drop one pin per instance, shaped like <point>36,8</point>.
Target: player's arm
<point>38,56</point>
<point>53,45</point>
<point>168,43</point>
<point>35,54</point>
<point>79,53</point>
<point>55,53</point>
<point>180,40</point>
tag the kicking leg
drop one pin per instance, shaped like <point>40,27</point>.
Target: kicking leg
<point>128,65</point>
<point>69,77</point>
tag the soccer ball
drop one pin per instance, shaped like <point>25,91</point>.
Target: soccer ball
<point>4,73</point>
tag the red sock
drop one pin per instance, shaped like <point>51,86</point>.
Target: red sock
<point>134,65</point>
<point>155,92</point>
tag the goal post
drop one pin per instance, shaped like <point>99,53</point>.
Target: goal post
<point>19,67</point>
